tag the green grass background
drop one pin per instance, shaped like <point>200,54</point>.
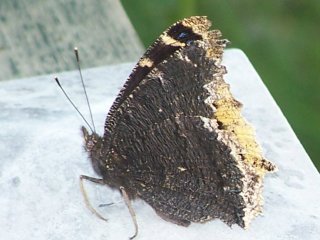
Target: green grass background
<point>280,37</point>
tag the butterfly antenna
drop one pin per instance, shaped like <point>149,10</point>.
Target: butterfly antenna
<point>76,52</point>
<point>74,106</point>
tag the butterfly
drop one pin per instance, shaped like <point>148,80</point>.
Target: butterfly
<point>175,138</point>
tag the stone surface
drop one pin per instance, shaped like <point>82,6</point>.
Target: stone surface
<point>42,158</point>
<point>38,37</point>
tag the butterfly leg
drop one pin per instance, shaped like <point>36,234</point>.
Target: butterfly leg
<point>85,196</point>
<point>132,213</point>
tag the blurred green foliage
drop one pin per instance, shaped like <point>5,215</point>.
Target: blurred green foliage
<point>280,37</point>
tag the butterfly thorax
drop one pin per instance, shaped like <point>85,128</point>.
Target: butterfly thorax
<point>105,161</point>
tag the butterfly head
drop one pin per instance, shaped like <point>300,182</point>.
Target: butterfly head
<point>94,146</point>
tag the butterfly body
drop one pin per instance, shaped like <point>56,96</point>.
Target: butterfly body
<point>174,135</point>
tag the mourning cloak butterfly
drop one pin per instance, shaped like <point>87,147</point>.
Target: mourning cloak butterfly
<point>175,137</point>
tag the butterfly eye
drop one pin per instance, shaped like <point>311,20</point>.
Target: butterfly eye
<point>182,35</point>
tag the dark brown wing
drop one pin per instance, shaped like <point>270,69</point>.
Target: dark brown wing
<point>182,144</point>
<point>166,133</point>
